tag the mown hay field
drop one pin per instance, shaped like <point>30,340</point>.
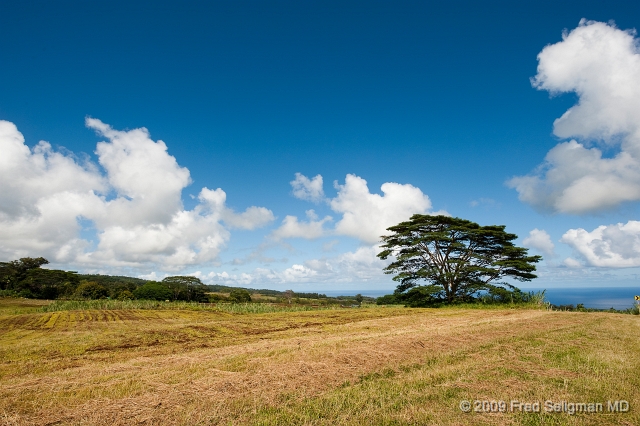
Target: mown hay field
<point>391,366</point>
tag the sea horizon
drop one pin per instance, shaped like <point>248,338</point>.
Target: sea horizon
<point>590,297</point>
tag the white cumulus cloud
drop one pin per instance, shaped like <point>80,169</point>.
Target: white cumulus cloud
<point>601,64</point>
<point>366,216</point>
<point>308,189</point>
<point>134,205</point>
<point>539,240</point>
<point>292,228</point>
<point>614,246</point>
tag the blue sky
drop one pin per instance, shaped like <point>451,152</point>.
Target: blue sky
<point>245,95</point>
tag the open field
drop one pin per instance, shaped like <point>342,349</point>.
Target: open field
<point>353,366</point>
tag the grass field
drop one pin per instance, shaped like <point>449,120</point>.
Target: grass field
<point>390,366</point>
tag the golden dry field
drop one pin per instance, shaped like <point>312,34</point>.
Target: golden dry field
<point>377,365</point>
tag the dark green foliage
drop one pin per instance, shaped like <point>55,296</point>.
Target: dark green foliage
<point>240,295</point>
<point>458,259</point>
<point>505,295</point>
<point>388,299</point>
<point>12,273</point>
<point>112,280</point>
<point>25,278</point>
<point>358,298</point>
<point>153,290</point>
<point>420,296</point>
<point>125,295</point>
<point>46,283</point>
<point>91,290</point>
<point>114,284</point>
<point>186,288</point>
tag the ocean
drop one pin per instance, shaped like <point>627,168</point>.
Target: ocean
<point>590,297</point>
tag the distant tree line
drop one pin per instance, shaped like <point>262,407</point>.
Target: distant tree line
<point>218,288</point>
<point>25,278</point>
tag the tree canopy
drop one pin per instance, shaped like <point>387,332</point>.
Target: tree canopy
<point>153,290</point>
<point>25,278</point>
<point>456,258</point>
<point>240,295</point>
<point>16,270</point>
<point>186,288</point>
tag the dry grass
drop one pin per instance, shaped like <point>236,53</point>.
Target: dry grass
<point>360,366</point>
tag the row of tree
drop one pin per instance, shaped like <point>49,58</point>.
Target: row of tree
<point>25,278</point>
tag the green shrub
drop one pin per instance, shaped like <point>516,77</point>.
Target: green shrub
<point>388,299</point>
<point>240,295</point>
<point>153,290</point>
<point>125,295</point>
<point>8,293</point>
<point>91,290</point>
<point>214,298</point>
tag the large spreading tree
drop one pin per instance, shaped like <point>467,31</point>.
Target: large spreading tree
<point>448,259</point>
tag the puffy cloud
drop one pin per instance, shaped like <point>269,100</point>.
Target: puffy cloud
<point>190,237</point>
<point>135,207</point>
<point>539,240</point>
<point>601,64</point>
<point>614,246</point>
<point>43,192</point>
<point>147,180</point>
<point>252,218</point>
<point>366,216</point>
<point>579,180</point>
<point>308,189</point>
<point>292,228</point>
<point>28,177</point>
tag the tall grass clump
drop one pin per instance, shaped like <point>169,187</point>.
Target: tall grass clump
<point>537,298</point>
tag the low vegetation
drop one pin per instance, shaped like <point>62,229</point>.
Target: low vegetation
<point>237,308</point>
<point>109,362</point>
